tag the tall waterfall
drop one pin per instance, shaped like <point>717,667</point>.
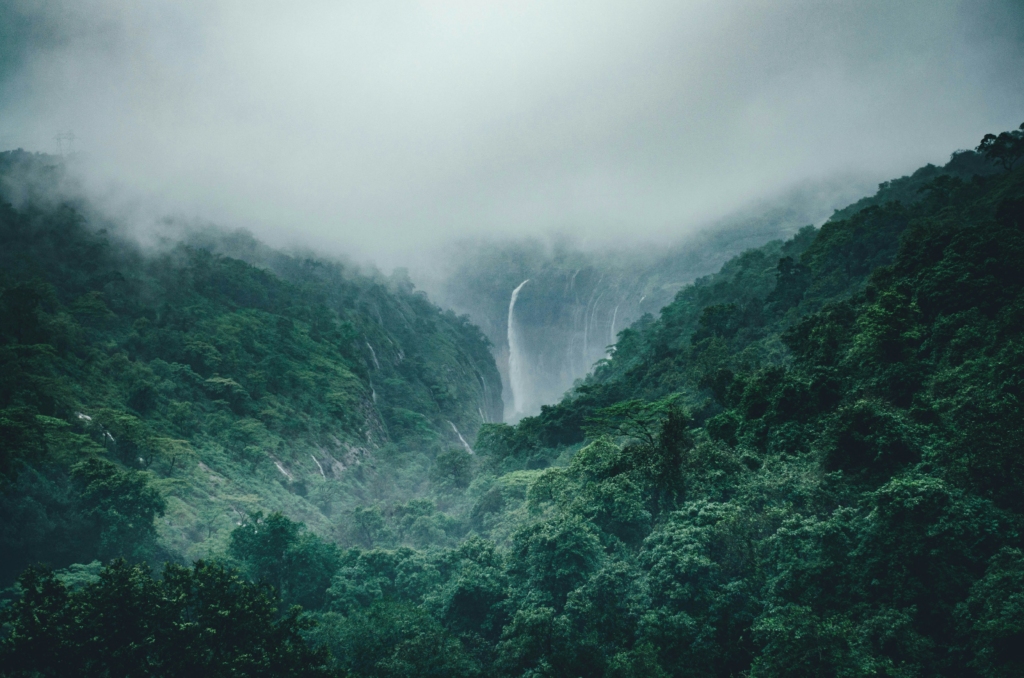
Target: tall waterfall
<point>611,334</point>
<point>516,378</point>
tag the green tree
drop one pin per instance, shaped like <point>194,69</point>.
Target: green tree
<point>281,552</point>
<point>122,505</point>
<point>201,621</point>
<point>1006,148</point>
<point>452,469</point>
<point>394,640</point>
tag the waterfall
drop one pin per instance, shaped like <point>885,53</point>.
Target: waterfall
<point>461,439</point>
<point>487,396</point>
<point>515,361</point>
<point>593,314</point>
<point>319,467</point>
<point>611,334</point>
<point>283,470</point>
<point>588,319</point>
<point>374,354</point>
<point>586,329</point>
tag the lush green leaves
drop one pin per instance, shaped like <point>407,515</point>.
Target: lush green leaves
<point>202,620</point>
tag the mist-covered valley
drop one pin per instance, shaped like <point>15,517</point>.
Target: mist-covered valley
<point>579,297</point>
<point>511,340</point>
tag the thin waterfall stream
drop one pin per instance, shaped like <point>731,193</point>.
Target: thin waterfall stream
<point>516,377</point>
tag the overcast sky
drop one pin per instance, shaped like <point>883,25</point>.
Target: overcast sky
<point>379,127</point>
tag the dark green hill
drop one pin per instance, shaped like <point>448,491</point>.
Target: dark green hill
<point>578,299</point>
<point>811,463</point>
<point>226,385</point>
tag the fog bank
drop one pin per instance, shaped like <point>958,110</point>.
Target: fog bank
<point>379,128</point>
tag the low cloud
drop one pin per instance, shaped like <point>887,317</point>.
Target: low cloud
<point>381,128</point>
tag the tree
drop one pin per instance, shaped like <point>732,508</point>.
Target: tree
<point>633,418</point>
<point>553,557</point>
<point>122,505</point>
<point>394,640</point>
<point>197,621</point>
<point>281,552</point>
<point>452,469</point>
<point>1005,149</point>
<point>368,526</point>
<point>793,278</point>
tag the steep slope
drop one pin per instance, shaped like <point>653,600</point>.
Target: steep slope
<point>809,464</point>
<point>578,300</point>
<point>234,386</point>
<point>735,319</point>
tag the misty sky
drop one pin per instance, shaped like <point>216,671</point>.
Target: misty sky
<point>378,127</point>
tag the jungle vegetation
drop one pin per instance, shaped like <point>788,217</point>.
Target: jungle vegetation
<point>807,464</point>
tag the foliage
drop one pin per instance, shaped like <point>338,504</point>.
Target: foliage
<point>1006,148</point>
<point>282,553</point>
<point>202,620</point>
<point>809,464</point>
<point>225,377</point>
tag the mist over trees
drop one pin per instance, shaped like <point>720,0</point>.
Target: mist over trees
<point>222,459</point>
<point>580,297</point>
<point>196,387</point>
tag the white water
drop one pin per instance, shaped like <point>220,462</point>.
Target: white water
<point>586,329</point>
<point>374,354</point>
<point>611,334</point>
<point>516,378</point>
<point>593,317</point>
<point>280,467</point>
<point>319,466</point>
<point>461,439</point>
<point>487,397</point>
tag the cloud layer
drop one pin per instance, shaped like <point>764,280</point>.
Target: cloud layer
<point>379,128</point>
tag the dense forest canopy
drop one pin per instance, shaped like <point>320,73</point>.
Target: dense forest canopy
<point>808,463</point>
<point>204,381</point>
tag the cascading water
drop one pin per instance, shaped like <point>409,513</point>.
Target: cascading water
<point>461,439</point>
<point>516,378</point>
<point>611,333</point>
<point>586,328</point>
<point>487,397</point>
<point>593,317</point>
<point>374,354</point>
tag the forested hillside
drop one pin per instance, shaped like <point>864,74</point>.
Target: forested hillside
<point>578,299</point>
<point>808,464</point>
<point>195,388</point>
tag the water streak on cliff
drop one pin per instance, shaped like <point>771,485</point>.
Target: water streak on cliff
<point>516,374</point>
